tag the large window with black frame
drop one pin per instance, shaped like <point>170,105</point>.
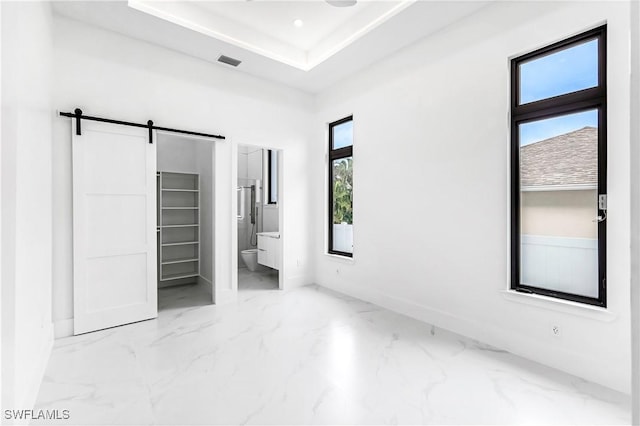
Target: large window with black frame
<point>558,170</point>
<point>341,187</point>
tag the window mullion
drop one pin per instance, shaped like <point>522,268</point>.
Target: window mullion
<point>566,102</point>
<point>335,154</point>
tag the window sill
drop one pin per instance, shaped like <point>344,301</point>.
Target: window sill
<point>559,305</point>
<point>343,259</point>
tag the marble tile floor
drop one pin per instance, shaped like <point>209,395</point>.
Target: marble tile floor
<point>191,295</point>
<point>306,356</point>
<point>264,279</point>
<point>182,297</point>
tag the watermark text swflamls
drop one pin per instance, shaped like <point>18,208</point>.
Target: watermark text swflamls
<point>37,414</point>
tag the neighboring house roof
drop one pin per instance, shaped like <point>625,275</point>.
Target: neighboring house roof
<point>564,160</point>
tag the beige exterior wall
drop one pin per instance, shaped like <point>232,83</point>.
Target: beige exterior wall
<point>559,213</point>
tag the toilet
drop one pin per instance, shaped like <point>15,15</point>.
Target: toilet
<point>250,258</point>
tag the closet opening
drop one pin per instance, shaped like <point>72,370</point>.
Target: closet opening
<point>258,215</point>
<point>185,217</point>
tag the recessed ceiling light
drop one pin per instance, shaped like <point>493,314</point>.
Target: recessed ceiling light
<point>298,23</point>
<point>342,3</point>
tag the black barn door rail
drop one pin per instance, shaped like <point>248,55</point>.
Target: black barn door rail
<point>77,114</point>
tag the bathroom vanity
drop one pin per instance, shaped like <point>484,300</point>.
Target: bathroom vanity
<point>269,249</point>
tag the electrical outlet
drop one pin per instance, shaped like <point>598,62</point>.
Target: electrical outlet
<point>555,330</point>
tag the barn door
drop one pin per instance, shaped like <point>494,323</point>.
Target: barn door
<point>114,226</point>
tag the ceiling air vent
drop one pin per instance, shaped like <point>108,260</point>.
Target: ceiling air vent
<point>229,61</point>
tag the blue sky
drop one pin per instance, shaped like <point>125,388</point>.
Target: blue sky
<point>563,72</point>
<point>343,135</point>
<point>536,131</point>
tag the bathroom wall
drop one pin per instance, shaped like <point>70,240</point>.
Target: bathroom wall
<point>270,217</point>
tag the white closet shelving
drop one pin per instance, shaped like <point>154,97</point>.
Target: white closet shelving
<point>179,226</point>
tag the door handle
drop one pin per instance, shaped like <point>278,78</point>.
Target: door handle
<point>601,218</point>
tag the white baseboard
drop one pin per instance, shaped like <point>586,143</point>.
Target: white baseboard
<point>296,281</point>
<point>206,285</point>
<point>63,328</point>
<point>516,344</point>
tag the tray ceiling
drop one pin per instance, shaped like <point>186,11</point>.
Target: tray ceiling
<point>330,44</point>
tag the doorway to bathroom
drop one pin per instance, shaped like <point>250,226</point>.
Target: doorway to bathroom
<point>258,218</point>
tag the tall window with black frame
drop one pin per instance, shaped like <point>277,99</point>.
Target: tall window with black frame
<point>341,187</point>
<point>559,170</point>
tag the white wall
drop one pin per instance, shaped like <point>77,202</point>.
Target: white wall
<point>431,138</point>
<point>176,154</point>
<point>5,343</point>
<point>26,199</point>
<point>110,75</point>
<point>205,158</point>
<point>634,17</point>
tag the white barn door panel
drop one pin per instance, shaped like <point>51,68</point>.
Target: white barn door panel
<point>114,226</point>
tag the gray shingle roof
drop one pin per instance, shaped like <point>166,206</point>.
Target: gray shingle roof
<point>569,159</point>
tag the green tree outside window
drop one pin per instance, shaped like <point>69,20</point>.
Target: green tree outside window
<point>343,191</point>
